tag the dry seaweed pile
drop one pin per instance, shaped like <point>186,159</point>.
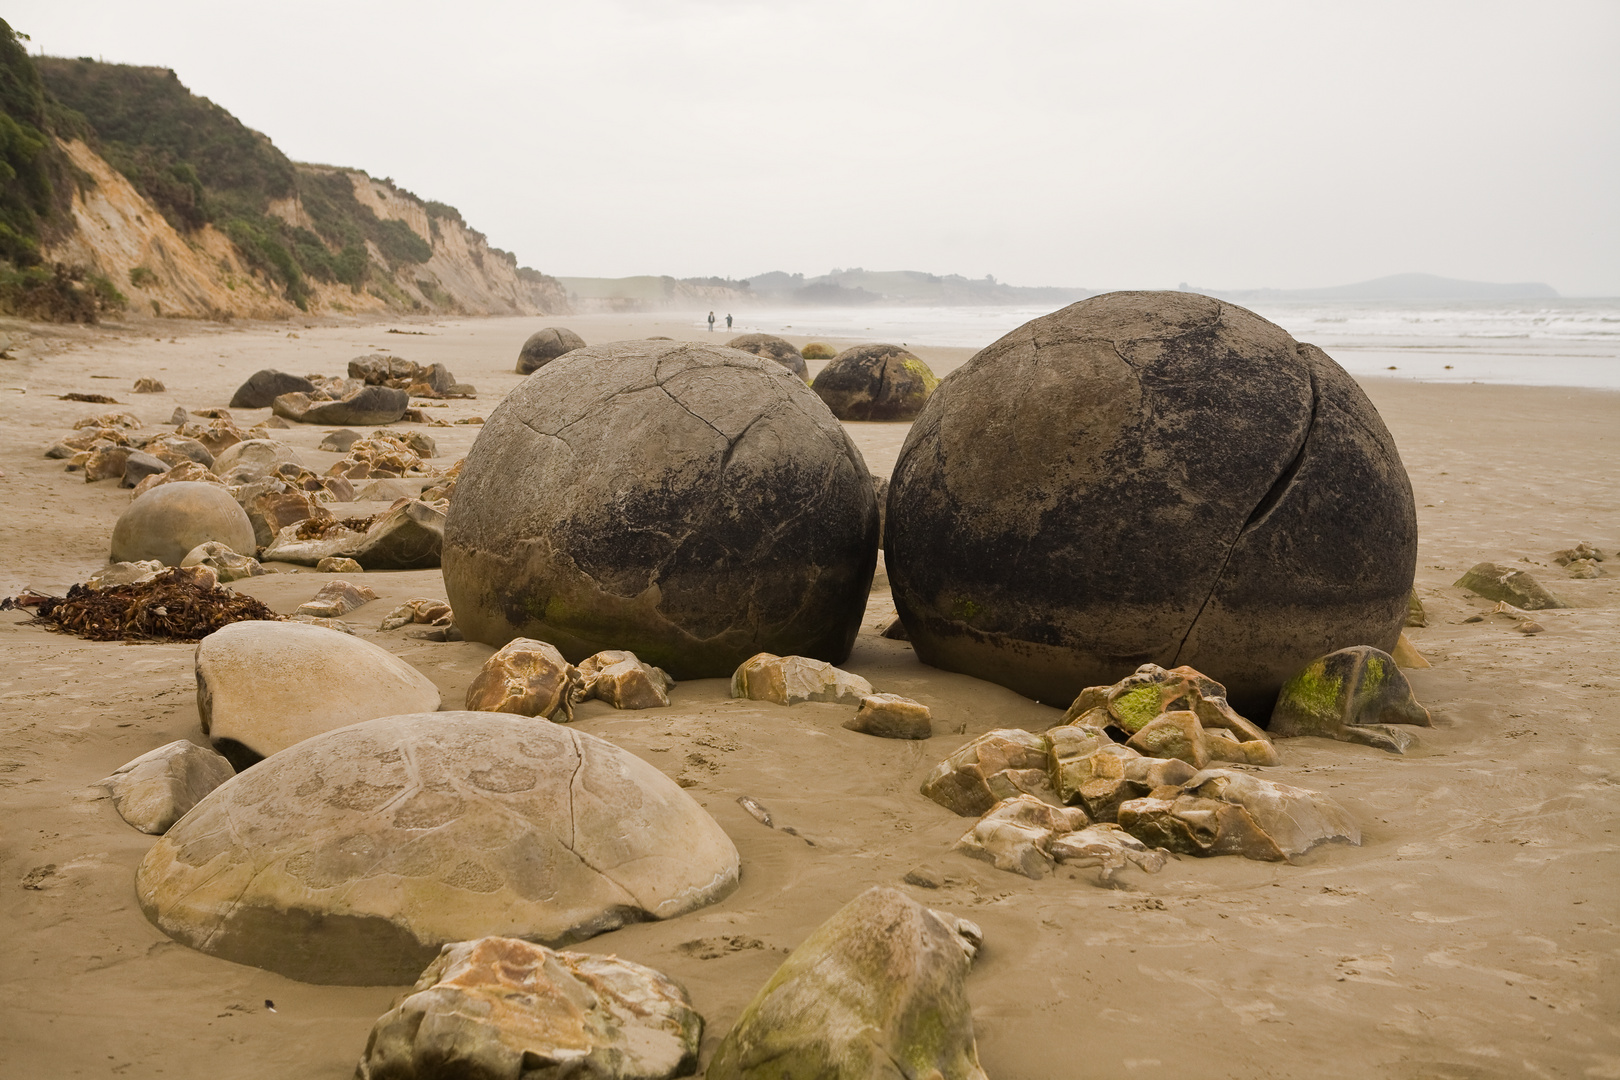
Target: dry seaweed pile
<point>170,607</point>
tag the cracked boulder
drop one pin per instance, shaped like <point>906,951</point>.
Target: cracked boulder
<point>619,678</point>
<point>680,500</point>
<point>1148,477</point>
<point>264,686</point>
<point>158,788</point>
<point>890,716</point>
<point>227,565</point>
<point>409,536</point>
<point>527,678</point>
<point>1089,769</point>
<point>1352,695</point>
<point>793,680</point>
<point>1180,713</point>
<point>544,346</point>
<point>1107,847</point>
<point>169,520</point>
<point>875,382</point>
<point>1016,834</point>
<point>352,857</point>
<point>879,990</point>
<point>502,1007</point>
<point>772,347</point>
<point>1223,812</point>
<point>997,765</point>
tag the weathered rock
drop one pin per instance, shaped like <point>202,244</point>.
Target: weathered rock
<point>274,511</point>
<point>418,442</point>
<point>1180,735</point>
<point>418,610</point>
<point>124,573</point>
<point>818,350</point>
<point>1581,552</point>
<point>158,788</point>
<point>179,416</point>
<point>502,1007</point>
<point>793,680</point>
<point>1407,656</point>
<point>1494,581</point>
<point>877,991</point>
<point>1202,491</point>
<point>1221,812</point>
<point>1017,833</point>
<point>127,421</point>
<point>619,678</point>
<point>875,382</point>
<point>262,454</point>
<point>353,856</point>
<point>106,463</point>
<point>339,441</point>
<point>1107,847</point>
<point>1415,615</point>
<point>880,488</point>
<point>336,599</point>
<point>227,565</point>
<point>148,385</point>
<point>544,346</point>
<point>365,407</point>
<point>1585,569</point>
<point>1089,769</point>
<point>527,678</point>
<point>138,466</point>
<point>177,449</point>
<point>1151,693</point>
<point>218,436</point>
<point>408,537</point>
<point>997,765</point>
<point>891,716</point>
<point>677,499</point>
<point>264,686</point>
<point>187,472</point>
<point>336,565</point>
<point>1347,690</point>
<point>170,519</point>
<point>263,387</point>
<point>59,450</point>
<point>382,455</point>
<point>772,347</point>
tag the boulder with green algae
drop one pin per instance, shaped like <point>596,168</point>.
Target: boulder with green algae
<point>1222,812</point>
<point>1352,695</point>
<point>1090,770</point>
<point>771,347</point>
<point>1494,581</point>
<point>875,382</point>
<point>878,991</point>
<point>1151,693</point>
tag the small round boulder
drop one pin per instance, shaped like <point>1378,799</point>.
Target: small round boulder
<point>1148,478</point>
<point>352,857</point>
<point>875,382</point>
<point>546,345</point>
<point>689,503</point>
<point>171,519</point>
<point>772,347</point>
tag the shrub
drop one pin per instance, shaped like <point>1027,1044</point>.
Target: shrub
<point>141,277</point>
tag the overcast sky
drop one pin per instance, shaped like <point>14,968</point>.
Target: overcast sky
<point>1105,145</point>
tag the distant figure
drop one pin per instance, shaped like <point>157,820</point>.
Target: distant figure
<point>711,322</point>
<point>728,320</point>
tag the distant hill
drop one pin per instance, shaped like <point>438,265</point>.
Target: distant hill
<point>903,288</point>
<point>1393,287</point>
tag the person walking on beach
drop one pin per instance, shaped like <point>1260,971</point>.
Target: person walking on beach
<point>711,322</point>
<point>728,320</point>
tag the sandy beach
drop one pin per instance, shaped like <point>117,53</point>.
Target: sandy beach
<point>1475,933</point>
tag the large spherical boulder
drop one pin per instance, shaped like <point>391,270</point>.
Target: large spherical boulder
<point>546,345</point>
<point>171,519</point>
<point>353,856</point>
<point>690,503</point>
<point>1148,478</point>
<point>875,382</point>
<point>772,347</point>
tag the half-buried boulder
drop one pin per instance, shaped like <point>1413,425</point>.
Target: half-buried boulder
<point>158,788</point>
<point>772,347</point>
<point>263,387</point>
<point>353,856</point>
<point>544,346</point>
<point>263,686</point>
<point>1148,477</point>
<point>1352,695</point>
<point>169,520</point>
<point>875,382</point>
<point>365,407</point>
<point>678,500</point>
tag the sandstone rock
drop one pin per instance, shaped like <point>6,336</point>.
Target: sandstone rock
<point>1581,552</point>
<point>792,680</point>
<point>877,991</point>
<point>264,454</point>
<point>1017,833</point>
<point>997,765</point>
<point>1494,581</point>
<point>127,421</point>
<point>106,463</point>
<point>148,385</point>
<point>336,599</point>
<point>623,681</point>
<point>1090,770</point>
<point>1152,693</point>
<point>875,382</point>
<point>1221,812</point>
<point>218,436</point>
<point>187,472</point>
<point>419,610</point>
<point>418,442</point>
<point>227,565</point>
<point>408,537</point>
<point>1585,569</point>
<point>263,387</point>
<point>707,511</point>
<point>527,678</point>
<point>1107,847</point>
<point>1415,615</point>
<point>158,788</point>
<point>138,466</point>
<point>177,449</point>
<point>59,450</point>
<point>544,346</point>
<point>382,455</point>
<point>891,716</point>
<point>337,565</point>
<point>1406,655</point>
<point>501,1007</point>
<point>893,629</point>
<point>124,573</point>
<point>365,407</point>
<point>1180,735</point>
<point>1289,529</point>
<point>818,350</point>
<point>353,856</point>
<point>339,441</point>
<point>264,686</point>
<point>274,511</point>
<point>1351,689</point>
<point>772,347</point>
<point>170,519</point>
<point>324,623</point>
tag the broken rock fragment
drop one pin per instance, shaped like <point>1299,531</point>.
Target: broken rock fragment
<point>997,765</point>
<point>421,609</point>
<point>1107,847</point>
<point>1017,834</point>
<point>1494,581</point>
<point>791,680</point>
<point>1223,812</point>
<point>891,716</point>
<point>1091,770</point>
<point>157,789</point>
<point>528,678</point>
<point>1352,695</point>
<point>335,599</point>
<point>227,565</point>
<point>623,681</point>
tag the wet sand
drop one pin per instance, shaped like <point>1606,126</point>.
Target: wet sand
<point>1473,934</point>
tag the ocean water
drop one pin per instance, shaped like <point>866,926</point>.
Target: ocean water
<point>1530,343</point>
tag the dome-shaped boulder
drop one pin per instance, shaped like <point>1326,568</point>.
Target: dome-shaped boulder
<point>818,350</point>
<point>265,386</point>
<point>875,382</point>
<point>353,856</point>
<point>1148,478</point>
<point>170,519</point>
<point>690,503</point>
<point>772,347</point>
<point>544,346</point>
